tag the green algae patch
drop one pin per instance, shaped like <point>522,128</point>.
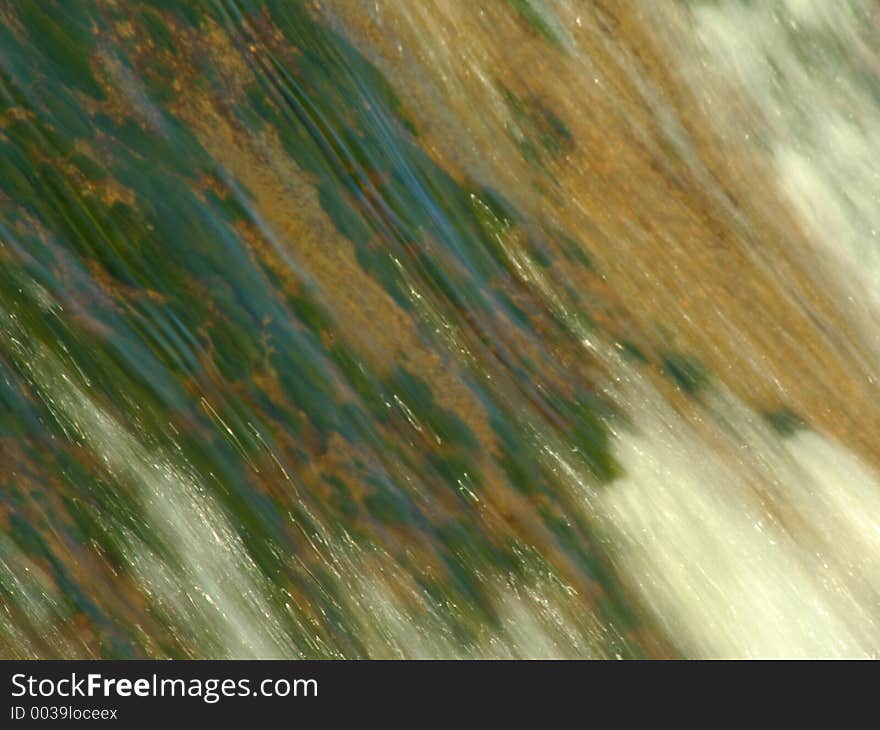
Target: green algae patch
<point>541,135</point>
<point>161,299</point>
<point>784,421</point>
<point>687,373</point>
<point>64,37</point>
<point>532,12</point>
<point>419,399</point>
<point>632,352</point>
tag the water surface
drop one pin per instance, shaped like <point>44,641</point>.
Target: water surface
<point>519,328</point>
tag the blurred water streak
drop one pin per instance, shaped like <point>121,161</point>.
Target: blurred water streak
<point>517,328</point>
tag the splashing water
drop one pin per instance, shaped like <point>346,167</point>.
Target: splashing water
<point>523,328</point>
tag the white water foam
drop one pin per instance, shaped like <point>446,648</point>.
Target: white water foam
<point>212,590</point>
<point>744,543</point>
<point>811,68</point>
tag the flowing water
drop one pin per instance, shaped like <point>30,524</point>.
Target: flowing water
<point>439,328</point>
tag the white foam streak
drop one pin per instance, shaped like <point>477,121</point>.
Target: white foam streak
<point>212,589</point>
<point>810,68</point>
<point>743,544</point>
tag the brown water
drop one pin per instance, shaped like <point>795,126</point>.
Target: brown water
<point>517,328</point>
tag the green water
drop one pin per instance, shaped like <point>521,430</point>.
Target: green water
<point>156,314</point>
<point>279,380</point>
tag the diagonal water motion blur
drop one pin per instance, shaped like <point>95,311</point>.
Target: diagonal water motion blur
<point>517,328</point>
